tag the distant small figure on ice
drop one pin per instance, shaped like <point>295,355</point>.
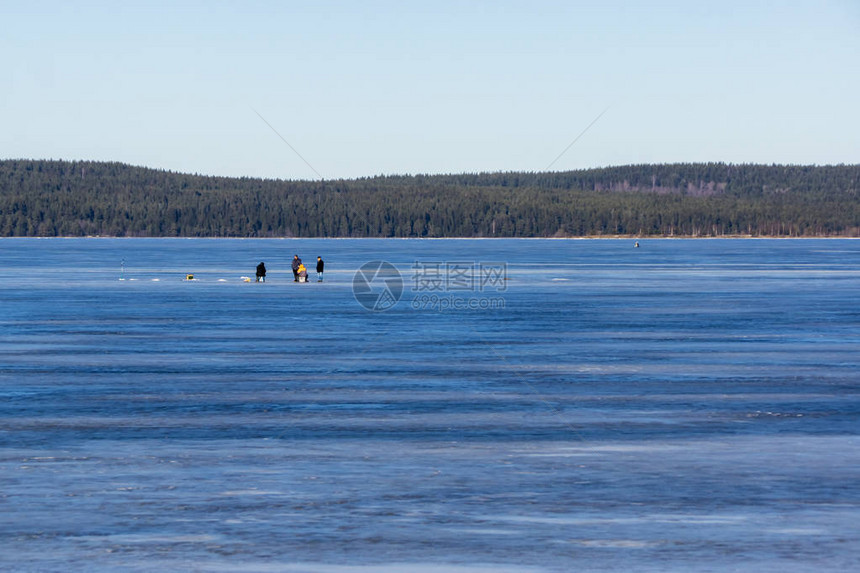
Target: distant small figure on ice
<point>297,262</point>
<point>302,274</point>
<point>320,269</point>
<point>261,272</point>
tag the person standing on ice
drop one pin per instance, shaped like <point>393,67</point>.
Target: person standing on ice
<point>320,268</point>
<point>261,272</point>
<point>296,262</point>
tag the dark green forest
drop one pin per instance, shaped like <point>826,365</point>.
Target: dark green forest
<point>83,198</point>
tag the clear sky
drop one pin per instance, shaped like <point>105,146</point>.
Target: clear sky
<point>370,87</point>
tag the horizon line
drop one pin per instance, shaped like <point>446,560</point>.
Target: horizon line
<point>438,174</point>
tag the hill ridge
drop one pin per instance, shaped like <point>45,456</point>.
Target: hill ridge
<point>83,198</point>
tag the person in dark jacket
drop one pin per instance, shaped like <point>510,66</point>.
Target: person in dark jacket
<point>261,272</point>
<point>295,266</point>
<point>320,268</point>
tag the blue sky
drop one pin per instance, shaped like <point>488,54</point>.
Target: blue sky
<point>384,87</point>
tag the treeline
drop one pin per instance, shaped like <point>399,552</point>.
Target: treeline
<point>62,198</point>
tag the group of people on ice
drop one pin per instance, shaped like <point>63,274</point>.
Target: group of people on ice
<point>300,272</point>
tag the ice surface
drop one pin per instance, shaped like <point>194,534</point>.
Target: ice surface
<point>685,406</point>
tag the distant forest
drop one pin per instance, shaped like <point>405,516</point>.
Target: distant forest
<point>82,198</point>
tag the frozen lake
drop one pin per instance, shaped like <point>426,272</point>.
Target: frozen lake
<point>523,405</point>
